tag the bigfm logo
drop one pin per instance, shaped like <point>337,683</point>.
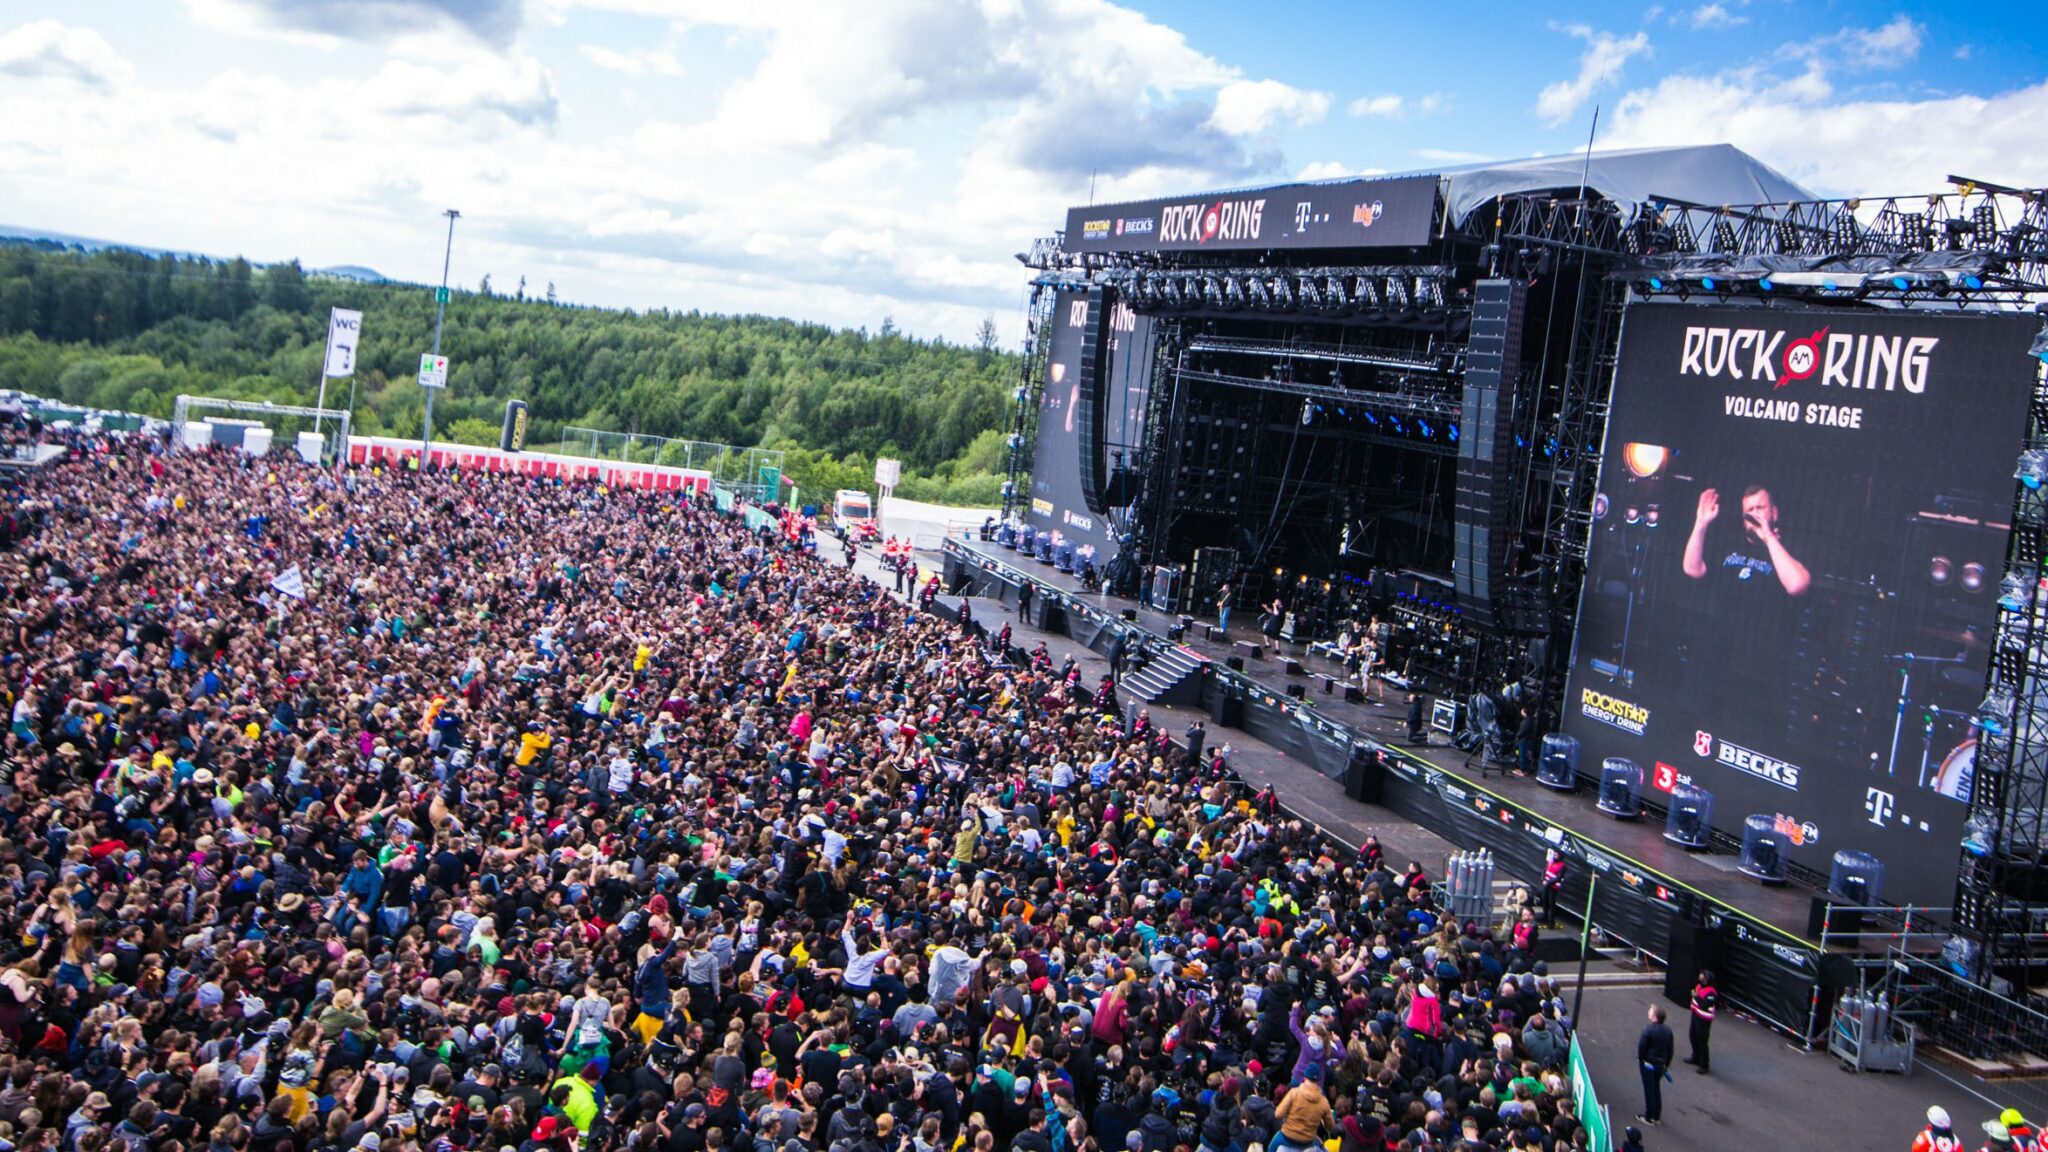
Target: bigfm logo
<point>1841,359</point>
<point>1613,711</point>
<point>1367,215</point>
<point>1201,223</point>
<point>1769,769</point>
<point>1799,832</point>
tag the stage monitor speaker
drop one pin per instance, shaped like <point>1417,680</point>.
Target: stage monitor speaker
<point>1293,667</point>
<point>1365,778</point>
<point>1236,663</point>
<point>1692,947</point>
<point>1297,690</point>
<point>1228,711</point>
<point>1251,651</point>
<point>1092,421</point>
<point>1129,614</point>
<point>1177,633</point>
<point>1212,632</point>
<point>1353,694</point>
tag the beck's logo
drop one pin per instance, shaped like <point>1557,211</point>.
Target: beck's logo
<point>1841,359</point>
<point>1702,743</point>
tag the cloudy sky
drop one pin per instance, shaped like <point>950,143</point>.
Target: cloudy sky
<point>846,161</point>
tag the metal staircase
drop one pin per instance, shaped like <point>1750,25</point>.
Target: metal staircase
<point>1174,676</point>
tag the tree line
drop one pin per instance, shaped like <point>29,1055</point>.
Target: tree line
<point>126,330</point>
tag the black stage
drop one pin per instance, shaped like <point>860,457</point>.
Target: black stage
<point>1687,909</point>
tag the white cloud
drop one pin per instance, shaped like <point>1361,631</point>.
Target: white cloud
<point>1891,46</point>
<point>1713,16</point>
<point>515,88</point>
<point>1599,65</point>
<point>1395,107</point>
<point>852,171</point>
<point>1334,170</point>
<point>49,50</point>
<point>638,63</point>
<point>1452,156</point>
<point>1842,147</point>
<point>1251,107</point>
<point>492,22</point>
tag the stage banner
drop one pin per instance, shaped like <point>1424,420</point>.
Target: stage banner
<point>1398,212</point>
<point>1792,579</point>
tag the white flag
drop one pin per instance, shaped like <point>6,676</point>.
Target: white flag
<point>290,582</point>
<point>344,328</point>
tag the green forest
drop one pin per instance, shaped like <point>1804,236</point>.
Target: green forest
<point>119,329</point>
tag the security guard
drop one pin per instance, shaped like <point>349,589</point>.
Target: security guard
<point>1939,1135</point>
<point>2024,1138</point>
<point>1704,1001</point>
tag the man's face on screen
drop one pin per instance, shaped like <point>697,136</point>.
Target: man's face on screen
<point>1759,514</point>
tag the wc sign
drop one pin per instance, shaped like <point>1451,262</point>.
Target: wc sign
<point>344,329</point>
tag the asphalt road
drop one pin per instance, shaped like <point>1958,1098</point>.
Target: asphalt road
<point>1761,1089</point>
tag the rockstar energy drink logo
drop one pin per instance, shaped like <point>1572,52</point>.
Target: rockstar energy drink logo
<point>1614,712</point>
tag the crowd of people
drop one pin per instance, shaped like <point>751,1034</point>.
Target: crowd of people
<point>421,811</point>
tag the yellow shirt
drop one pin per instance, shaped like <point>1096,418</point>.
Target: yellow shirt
<point>531,745</point>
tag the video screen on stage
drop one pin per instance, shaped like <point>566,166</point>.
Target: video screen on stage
<point>1056,501</point>
<point>1793,576</point>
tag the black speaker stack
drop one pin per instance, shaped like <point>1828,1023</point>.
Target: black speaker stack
<point>1486,446</point>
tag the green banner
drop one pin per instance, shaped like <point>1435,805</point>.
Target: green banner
<point>1599,1134</point>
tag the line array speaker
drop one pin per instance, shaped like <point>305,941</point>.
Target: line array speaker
<point>1493,365</point>
<point>1092,422</point>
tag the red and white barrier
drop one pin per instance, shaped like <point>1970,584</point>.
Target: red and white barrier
<point>613,473</point>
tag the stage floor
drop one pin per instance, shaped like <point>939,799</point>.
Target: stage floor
<point>1712,874</point>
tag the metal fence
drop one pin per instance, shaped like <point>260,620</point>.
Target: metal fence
<point>1991,1045</point>
<point>753,473</point>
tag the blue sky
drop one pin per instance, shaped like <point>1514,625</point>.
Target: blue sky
<point>846,162</point>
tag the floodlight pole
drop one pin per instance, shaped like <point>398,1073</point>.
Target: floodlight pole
<point>440,310</point>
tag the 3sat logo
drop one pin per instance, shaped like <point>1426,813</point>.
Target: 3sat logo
<point>1666,777</point>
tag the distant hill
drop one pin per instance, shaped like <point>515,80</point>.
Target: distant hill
<point>45,238</point>
<point>352,272</point>
<point>117,328</point>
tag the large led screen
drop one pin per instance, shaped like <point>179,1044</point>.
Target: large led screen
<point>1793,575</point>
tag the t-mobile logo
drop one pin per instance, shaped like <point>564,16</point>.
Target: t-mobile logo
<point>1879,804</point>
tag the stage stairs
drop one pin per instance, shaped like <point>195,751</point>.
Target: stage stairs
<point>1173,676</point>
